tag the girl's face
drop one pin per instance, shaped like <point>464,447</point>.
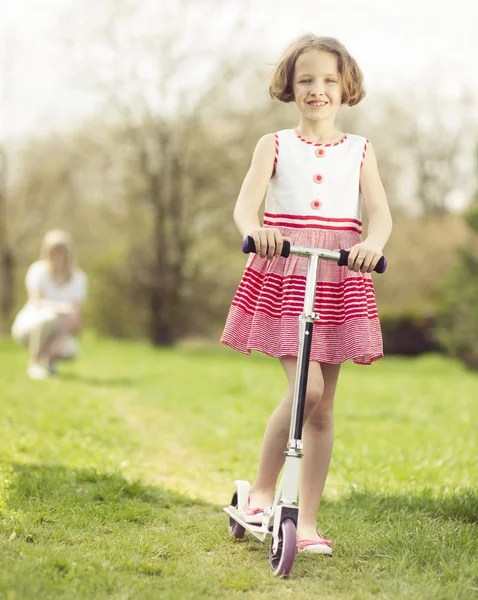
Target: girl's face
<point>59,258</point>
<point>317,86</point>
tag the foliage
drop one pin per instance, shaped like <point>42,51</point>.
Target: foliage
<point>147,184</point>
<point>408,333</point>
<point>458,329</point>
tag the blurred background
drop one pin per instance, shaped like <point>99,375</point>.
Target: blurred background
<point>132,124</point>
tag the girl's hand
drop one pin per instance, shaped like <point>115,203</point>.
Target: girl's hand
<point>268,241</point>
<point>364,257</point>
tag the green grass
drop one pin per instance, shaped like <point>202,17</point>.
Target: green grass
<point>113,476</point>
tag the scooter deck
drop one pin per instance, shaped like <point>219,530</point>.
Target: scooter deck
<point>259,531</point>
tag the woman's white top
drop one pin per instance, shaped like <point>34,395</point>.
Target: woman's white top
<point>39,281</point>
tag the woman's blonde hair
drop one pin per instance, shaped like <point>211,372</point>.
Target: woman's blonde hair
<point>59,238</point>
<point>281,82</point>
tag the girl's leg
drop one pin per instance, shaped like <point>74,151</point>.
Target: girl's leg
<point>318,437</point>
<point>277,432</point>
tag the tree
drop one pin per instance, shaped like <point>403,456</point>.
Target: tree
<point>6,252</point>
<point>437,147</point>
<point>458,330</point>
<point>7,262</point>
<point>173,169</point>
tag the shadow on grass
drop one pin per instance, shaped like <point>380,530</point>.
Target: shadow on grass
<point>442,505</point>
<point>46,491</point>
<point>98,381</point>
<point>60,488</point>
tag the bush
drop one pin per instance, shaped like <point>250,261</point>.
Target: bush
<point>408,333</point>
<point>458,318</point>
<point>111,308</point>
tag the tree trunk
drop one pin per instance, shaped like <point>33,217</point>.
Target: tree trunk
<point>161,327</point>
<point>7,283</point>
<point>7,274</point>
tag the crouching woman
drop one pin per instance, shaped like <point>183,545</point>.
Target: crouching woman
<point>51,319</point>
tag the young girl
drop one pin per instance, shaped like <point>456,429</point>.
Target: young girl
<point>315,177</point>
<point>52,316</point>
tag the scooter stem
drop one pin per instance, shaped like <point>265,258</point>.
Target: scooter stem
<point>306,322</point>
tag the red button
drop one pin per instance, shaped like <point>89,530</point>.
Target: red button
<point>316,204</point>
<point>320,152</point>
<point>318,178</point>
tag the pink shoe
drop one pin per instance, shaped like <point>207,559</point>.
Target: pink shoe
<point>252,515</point>
<point>315,546</point>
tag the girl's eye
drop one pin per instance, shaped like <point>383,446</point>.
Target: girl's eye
<point>330,80</point>
<point>305,81</point>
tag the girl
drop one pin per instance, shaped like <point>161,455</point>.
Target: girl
<point>315,177</point>
<point>56,290</point>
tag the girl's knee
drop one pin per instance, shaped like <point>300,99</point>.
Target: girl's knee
<point>315,384</point>
<point>322,417</point>
<point>313,396</point>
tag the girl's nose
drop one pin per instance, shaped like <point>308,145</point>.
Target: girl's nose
<point>318,90</point>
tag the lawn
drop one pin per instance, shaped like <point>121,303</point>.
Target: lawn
<point>113,476</point>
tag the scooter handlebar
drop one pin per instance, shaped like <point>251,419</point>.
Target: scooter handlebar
<point>344,258</point>
<point>248,246</point>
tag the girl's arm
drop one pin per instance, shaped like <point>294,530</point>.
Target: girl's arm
<point>379,217</point>
<point>268,240</point>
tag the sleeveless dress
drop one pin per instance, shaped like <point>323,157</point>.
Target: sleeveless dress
<point>313,198</point>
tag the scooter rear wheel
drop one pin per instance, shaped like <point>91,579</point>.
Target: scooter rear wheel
<point>234,528</point>
<point>281,561</point>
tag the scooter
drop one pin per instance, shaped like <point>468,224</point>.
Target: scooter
<point>281,518</point>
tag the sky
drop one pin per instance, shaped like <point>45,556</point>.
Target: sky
<point>400,46</point>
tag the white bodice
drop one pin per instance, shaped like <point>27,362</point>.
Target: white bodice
<point>318,180</point>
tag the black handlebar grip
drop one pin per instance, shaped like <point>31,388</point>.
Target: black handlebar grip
<point>248,246</point>
<point>379,267</point>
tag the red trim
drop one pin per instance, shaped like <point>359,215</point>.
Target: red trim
<point>312,217</point>
<point>309,226</point>
<point>323,145</point>
<point>301,544</point>
<point>276,156</point>
<point>367,142</point>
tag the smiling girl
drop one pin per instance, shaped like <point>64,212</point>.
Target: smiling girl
<point>315,178</point>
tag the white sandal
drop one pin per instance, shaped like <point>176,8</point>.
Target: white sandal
<point>315,546</point>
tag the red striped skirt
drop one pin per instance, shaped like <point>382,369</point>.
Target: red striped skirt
<point>264,314</point>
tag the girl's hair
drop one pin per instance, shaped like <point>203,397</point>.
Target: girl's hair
<point>58,238</point>
<point>351,76</point>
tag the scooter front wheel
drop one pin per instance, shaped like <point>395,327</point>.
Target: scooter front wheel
<point>234,528</point>
<point>282,560</point>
